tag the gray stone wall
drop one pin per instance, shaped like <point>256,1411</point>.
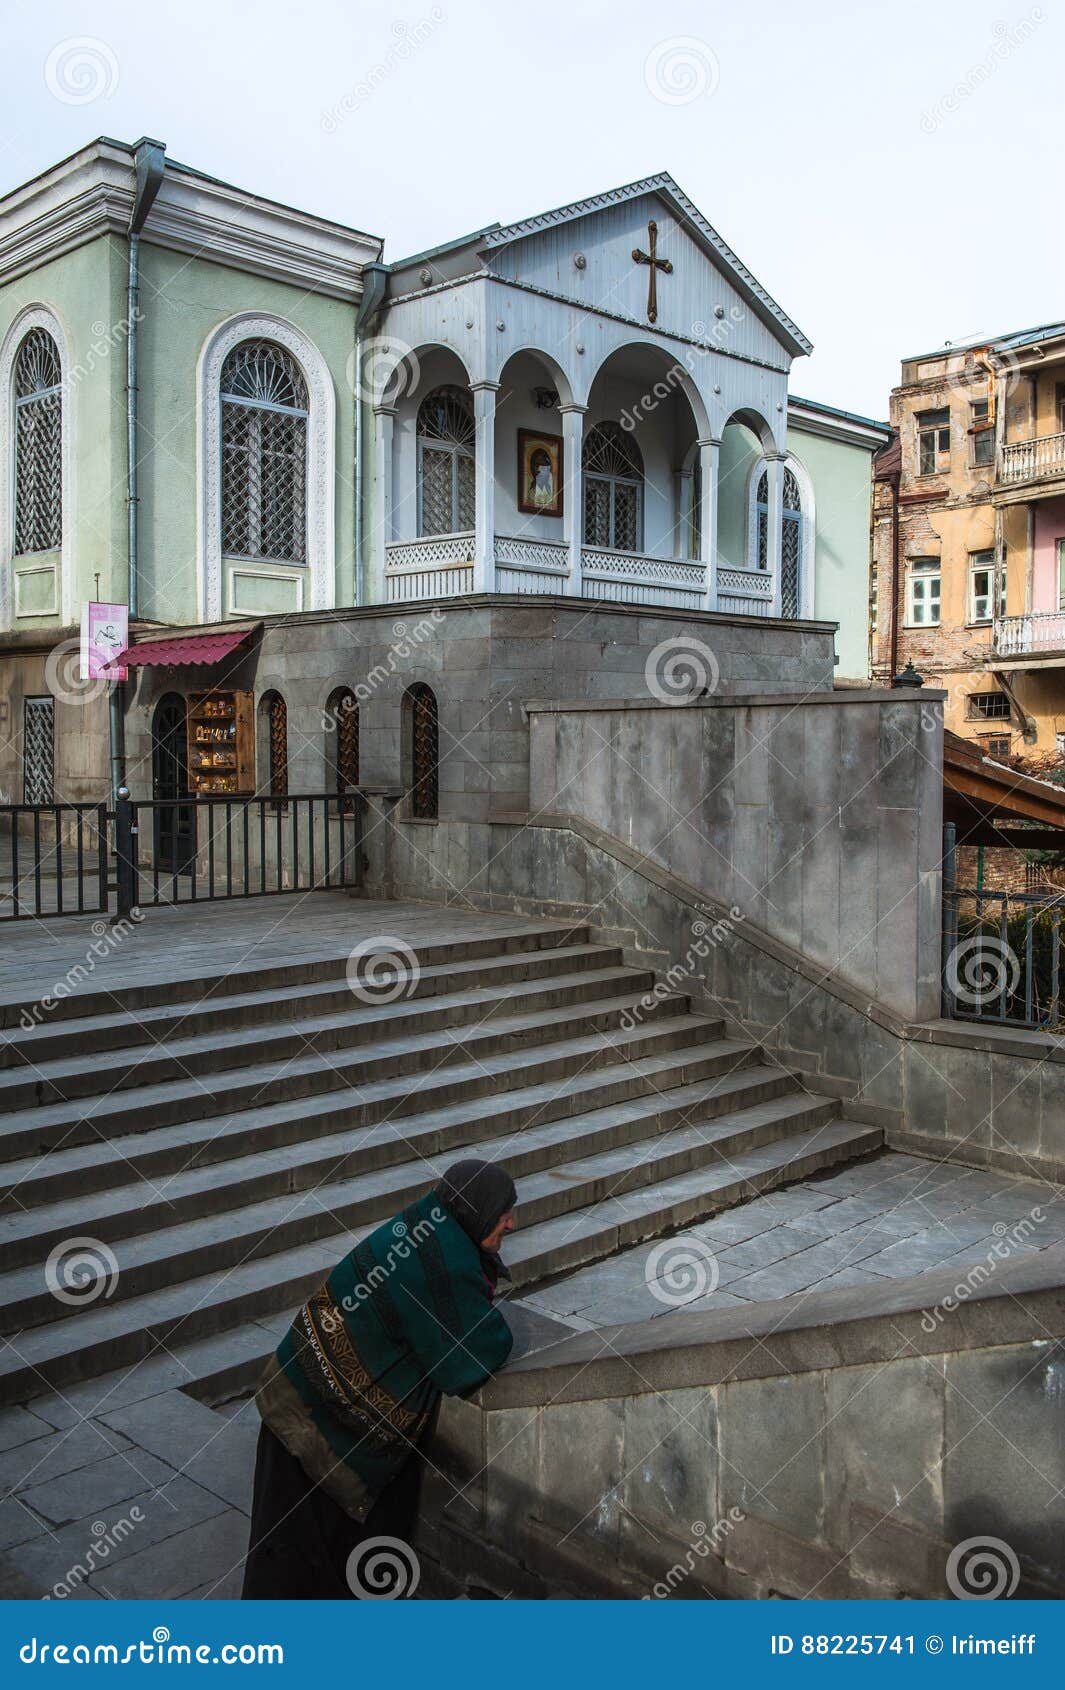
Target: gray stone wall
<point>820,1448</point>
<point>819,819</point>
<point>484,658</point>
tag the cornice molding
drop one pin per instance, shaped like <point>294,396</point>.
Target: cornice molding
<point>91,195</point>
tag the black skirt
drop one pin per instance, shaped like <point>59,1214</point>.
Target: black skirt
<point>301,1540</point>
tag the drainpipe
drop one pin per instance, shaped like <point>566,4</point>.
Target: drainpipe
<point>150,163</point>
<point>374,277</point>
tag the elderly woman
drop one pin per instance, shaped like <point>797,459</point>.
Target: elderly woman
<point>353,1388</point>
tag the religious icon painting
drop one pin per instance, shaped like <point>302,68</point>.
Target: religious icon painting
<point>539,473</point>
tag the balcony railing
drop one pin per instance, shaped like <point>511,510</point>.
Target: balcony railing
<point>1039,633</point>
<point>1029,460</point>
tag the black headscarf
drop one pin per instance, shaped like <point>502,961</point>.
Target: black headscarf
<point>477,1195</point>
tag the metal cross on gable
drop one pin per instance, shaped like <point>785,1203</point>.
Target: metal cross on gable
<point>656,264</point>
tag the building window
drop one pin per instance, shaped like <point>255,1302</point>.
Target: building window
<point>343,728</point>
<point>274,716</point>
<point>874,598</point>
<point>981,585</point>
<point>923,591</point>
<point>989,707</point>
<point>996,746</point>
<point>1060,544</point>
<point>1002,577</point>
<point>421,725</point>
<point>38,731</point>
<point>264,454</point>
<point>446,464</point>
<point>613,489</point>
<point>38,445</point>
<point>790,539</point>
<point>982,433</point>
<point>933,441</point>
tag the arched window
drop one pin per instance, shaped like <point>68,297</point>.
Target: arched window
<point>342,755</point>
<point>422,726</point>
<point>446,472</point>
<point>264,454</point>
<point>613,489</point>
<point>38,445</point>
<point>274,714</point>
<point>791,559</point>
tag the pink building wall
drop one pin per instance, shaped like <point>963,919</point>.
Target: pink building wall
<point>1049,529</point>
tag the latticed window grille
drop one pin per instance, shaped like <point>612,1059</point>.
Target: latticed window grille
<point>38,739</point>
<point>446,463</point>
<point>345,709</point>
<point>38,445</point>
<point>424,729</point>
<point>790,540</point>
<point>276,713</point>
<point>613,489</point>
<point>264,454</point>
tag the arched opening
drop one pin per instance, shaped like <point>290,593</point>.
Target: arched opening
<point>742,448</point>
<point>342,740</point>
<point>273,740</point>
<point>38,445</point>
<point>421,726</point>
<point>174,830</point>
<point>264,407</point>
<point>447,435</point>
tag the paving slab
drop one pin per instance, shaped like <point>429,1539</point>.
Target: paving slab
<point>79,1494</point>
<point>184,1562</point>
<point>43,1460</point>
<point>216,1452</point>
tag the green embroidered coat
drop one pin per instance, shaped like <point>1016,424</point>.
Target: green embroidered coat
<point>403,1319</point>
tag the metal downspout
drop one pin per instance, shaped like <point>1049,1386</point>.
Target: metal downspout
<point>150,164</point>
<point>373,288</point>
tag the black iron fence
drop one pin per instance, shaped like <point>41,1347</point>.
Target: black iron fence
<point>1001,953</point>
<point>72,859</point>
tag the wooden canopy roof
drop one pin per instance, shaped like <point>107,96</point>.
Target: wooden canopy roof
<point>991,804</point>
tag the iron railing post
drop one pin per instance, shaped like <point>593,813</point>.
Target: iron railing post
<point>125,854</point>
<point>950,911</point>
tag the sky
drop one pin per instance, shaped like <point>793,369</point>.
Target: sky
<point>888,172</point>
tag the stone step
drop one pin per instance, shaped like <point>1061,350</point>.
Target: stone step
<point>457,1106</point>
<point>192,1015</point>
<point>76,1000</point>
<point>557,1246</point>
<point>220,1050</point>
<point>558,1168</point>
<point>257,1086</point>
<point>115,1334</point>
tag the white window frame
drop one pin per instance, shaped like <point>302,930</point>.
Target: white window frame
<point>36,317</point>
<point>320,567</point>
<point>938,430</point>
<point>987,568</point>
<point>923,570</point>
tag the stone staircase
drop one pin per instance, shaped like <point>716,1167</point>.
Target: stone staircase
<point>231,1142</point>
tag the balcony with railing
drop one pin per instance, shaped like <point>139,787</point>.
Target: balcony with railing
<point>1039,634</point>
<point>1025,461</point>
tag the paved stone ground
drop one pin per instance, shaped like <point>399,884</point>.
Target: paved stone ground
<point>889,1217</point>
<point>153,1499</point>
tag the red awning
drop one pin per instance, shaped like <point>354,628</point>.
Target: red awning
<point>184,648</point>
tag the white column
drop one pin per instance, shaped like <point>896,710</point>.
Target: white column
<point>775,525</point>
<point>572,491</point>
<point>484,413</point>
<point>709,476</point>
<point>384,428</point>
